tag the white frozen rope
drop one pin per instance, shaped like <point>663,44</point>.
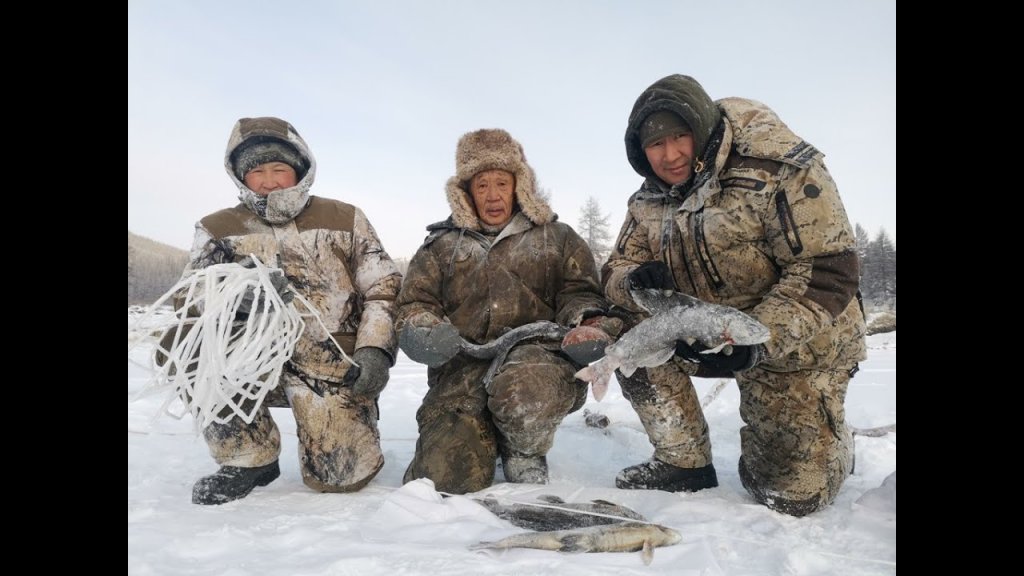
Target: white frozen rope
<point>222,367</point>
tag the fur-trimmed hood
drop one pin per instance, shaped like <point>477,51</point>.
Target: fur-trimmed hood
<point>279,206</point>
<point>493,149</point>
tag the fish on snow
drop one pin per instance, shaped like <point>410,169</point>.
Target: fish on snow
<point>553,513</point>
<point>618,537</point>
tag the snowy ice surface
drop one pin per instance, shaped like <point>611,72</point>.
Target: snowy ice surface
<point>388,530</point>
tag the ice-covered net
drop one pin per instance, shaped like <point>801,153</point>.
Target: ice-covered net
<point>220,366</point>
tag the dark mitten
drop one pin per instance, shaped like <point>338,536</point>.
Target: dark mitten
<point>654,274</point>
<point>738,358</point>
<point>432,346</point>
<point>374,367</point>
<point>280,284</point>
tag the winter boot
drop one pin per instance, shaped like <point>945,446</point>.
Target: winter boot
<point>657,475</point>
<point>231,483</point>
<point>525,469</point>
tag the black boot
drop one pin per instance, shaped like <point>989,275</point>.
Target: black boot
<point>525,469</point>
<point>657,475</point>
<point>231,483</point>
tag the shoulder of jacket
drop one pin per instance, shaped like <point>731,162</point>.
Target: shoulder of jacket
<point>758,132</point>
<point>645,195</point>
<point>436,230</point>
<point>227,222</point>
<point>329,214</point>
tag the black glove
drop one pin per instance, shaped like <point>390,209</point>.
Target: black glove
<point>653,274</point>
<point>739,359</point>
<point>374,371</point>
<point>280,284</point>
<point>432,346</point>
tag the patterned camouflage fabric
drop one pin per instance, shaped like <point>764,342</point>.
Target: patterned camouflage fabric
<point>339,444</point>
<point>486,282</point>
<point>331,255</point>
<point>761,229</point>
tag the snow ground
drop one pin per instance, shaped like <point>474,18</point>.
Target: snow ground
<point>387,530</point>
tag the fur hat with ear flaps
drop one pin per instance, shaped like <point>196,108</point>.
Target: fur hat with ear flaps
<point>493,149</point>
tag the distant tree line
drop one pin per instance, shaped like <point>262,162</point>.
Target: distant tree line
<point>593,228</point>
<point>877,268</point>
<point>152,268</point>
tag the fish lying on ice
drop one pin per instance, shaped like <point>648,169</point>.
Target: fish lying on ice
<point>553,513</point>
<point>674,316</point>
<point>618,537</point>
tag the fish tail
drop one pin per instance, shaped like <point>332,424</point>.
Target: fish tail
<point>597,375</point>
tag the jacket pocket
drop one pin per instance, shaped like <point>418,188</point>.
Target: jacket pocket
<point>707,264</point>
<point>785,214</point>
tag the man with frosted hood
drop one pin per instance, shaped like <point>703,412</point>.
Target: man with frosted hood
<point>500,261</point>
<point>738,210</point>
<point>329,253</point>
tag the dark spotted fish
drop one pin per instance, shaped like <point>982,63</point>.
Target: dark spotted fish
<point>553,513</point>
<point>499,348</point>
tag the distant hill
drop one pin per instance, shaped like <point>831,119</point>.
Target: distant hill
<point>153,267</point>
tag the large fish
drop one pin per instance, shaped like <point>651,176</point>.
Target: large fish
<point>496,350</point>
<point>619,537</point>
<point>553,513</point>
<point>674,316</point>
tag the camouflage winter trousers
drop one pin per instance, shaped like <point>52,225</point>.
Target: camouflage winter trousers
<point>339,444</point>
<point>669,409</point>
<point>796,450</point>
<point>463,426</point>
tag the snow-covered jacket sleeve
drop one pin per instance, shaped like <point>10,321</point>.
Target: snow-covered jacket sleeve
<point>420,302</point>
<point>632,240</point>
<point>813,245</point>
<point>580,294</point>
<point>378,281</point>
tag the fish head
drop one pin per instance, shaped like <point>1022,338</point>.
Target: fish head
<point>655,300</point>
<point>670,536</point>
<point>741,329</point>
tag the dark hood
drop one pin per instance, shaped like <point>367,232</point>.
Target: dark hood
<point>687,98</point>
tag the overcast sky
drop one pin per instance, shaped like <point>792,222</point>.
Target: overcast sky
<point>381,90</point>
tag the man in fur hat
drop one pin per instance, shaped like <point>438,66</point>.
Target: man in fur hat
<point>500,261</point>
<point>328,252</point>
<point>738,210</point>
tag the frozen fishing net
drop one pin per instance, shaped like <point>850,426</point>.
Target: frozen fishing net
<point>218,365</point>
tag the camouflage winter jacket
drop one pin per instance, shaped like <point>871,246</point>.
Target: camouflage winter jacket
<point>535,269</point>
<point>765,232</point>
<point>328,250</point>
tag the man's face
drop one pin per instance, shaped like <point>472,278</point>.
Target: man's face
<point>493,191</point>
<point>671,157</point>
<point>271,176</point>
